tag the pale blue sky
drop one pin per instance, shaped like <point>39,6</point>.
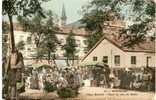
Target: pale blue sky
<point>72,8</point>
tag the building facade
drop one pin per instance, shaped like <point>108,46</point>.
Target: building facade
<point>113,54</point>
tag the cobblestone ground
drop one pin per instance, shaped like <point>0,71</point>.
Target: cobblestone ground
<point>92,93</point>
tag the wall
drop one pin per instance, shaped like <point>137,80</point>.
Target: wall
<point>141,59</point>
<point>105,48</point>
<point>30,48</point>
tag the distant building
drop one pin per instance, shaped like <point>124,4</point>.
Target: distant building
<point>110,51</point>
<point>63,17</point>
<point>79,33</point>
<point>29,50</point>
<point>111,28</point>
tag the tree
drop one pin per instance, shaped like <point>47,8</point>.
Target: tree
<point>50,40</point>
<point>40,53</point>
<point>99,11</point>
<point>19,7</point>
<point>94,16</point>
<point>13,8</point>
<point>20,45</point>
<point>42,30</point>
<point>35,26</point>
<point>142,22</point>
<point>70,48</point>
<point>5,30</point>
<point>49,44</point>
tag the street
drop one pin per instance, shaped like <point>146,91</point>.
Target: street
<point>98,93</point>
<point>93,93</point>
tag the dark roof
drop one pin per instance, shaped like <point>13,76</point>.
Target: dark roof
<point>116,24</point>
<point>64,33</point>
<point>76,24</point>
<point>148,47</point>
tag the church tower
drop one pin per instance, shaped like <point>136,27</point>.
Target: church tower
<point>63,17</point>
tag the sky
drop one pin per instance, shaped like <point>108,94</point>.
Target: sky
<point>72,7</point>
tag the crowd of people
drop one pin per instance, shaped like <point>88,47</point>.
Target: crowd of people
<point>101,77</point>
<point>67,77</point>
<point>137,80</point>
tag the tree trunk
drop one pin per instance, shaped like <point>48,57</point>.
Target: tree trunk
<point>12,41</point>
<point>49,57</point>
<point>73,60</point>
<point>53,59</point>
<point>67,61</point>
<point>13,91</point>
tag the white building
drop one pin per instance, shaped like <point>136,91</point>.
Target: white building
<point>29,49</point>
<point>65,29</point>
<point>111,52</point>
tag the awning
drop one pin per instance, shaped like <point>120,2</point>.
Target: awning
<point>92,63</point>
<point>36,66</point>
<point>87,63</point>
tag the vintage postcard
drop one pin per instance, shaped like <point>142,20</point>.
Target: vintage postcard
<point>78,49</point>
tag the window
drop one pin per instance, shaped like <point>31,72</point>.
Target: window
<point>133,59</point>
<point>94,58</point>
<point>78,42</point>
<point>105,59</point>
<point>85,49</point>
<point>85,42</point>
<point>29,40</point>
<point>29,49</point>
<point>117,60</point>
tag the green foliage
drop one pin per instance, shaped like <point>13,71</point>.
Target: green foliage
<point>48,87</point>
<point>43,31</point>
<point>99,11</point>
<point>5,30</point>
<point>143,23</point>
<point>50,41</point>
<point>95,14</point>
<point>70,46</point>
<point>5,27</point>
<point>138,5</point>
<point>45,66</point>
<point>49,44</point>
<point>22,7</point>
<point>40,53</point>
<point>35,26</point>
<point>92,39</point>
<point>4,49</point>
<point>12,8</point>
<point>150,8</point>
<point>20,45</point>
<point>66,92</point>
